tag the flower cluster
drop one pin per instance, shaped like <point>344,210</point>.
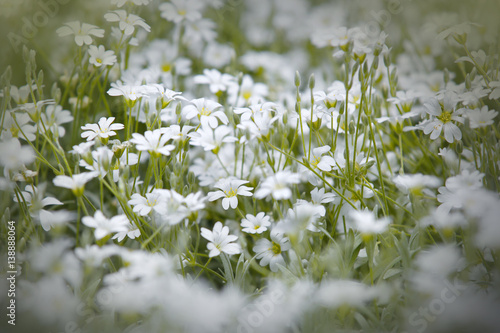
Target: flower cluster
<point>176,170</point>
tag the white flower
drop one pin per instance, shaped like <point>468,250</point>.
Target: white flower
<point>82,32</point>
<point>465,191</point>
<point>405,98</point>
<point>50,300</point>
<point>144,205</point>
<point>132,232</point>
<point>154,142</point>
<point>14,156</point>
<point>51,219</point>
<point>218,55</point>
<point>53,117</point>
<point>360,164</point>
<point>220,240</point>
<point>320,160</point>
<point>259,125</point>
<point>206,112</point>
<point>270,252</point>
<point>56,258</point>
<point>82,148</point>
<point>336,92</point>
<point>124,160</point>
<point>435,264</point>
<point>488,234</point>
<point>442,117</point>
<point>103,129</point>
<point>444,220</point>
<point>130,92</point>
<point>416,182</point>
<point>318,196</point>
<point>465,180</point>
<point>21,94</point>
<point>34,109</point>
<point>177,133</point>
<point>99,56</point>
<point>473,96</point>
<point>217,82</point>
<point>304,215</point>
<point>481,117</point>
<point>249,92</point>
<point>36,200</point>
<point>17,124</point>
<point>101,161</point>
<point>76,182</point>
<point>336,293</point>
<point>155,90</point>
<point>93,255</point>
<point>255,224</point>
<point>211,139</point>
<point>173,209</point>
<point>340,36</point>
<point>200,31</point>
<point>194,202</point>
<point>127,22</point>
<point>495,89</point>
<point>365,222</point>
<point>463,28</point>
<point>178,10</point>
<point>103,226</point>
<point>247,113</point>
<point>277,185</point>
<point>24,174</point>
<point>230,188</point>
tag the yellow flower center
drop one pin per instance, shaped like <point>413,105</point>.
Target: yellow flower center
<point>315,161</point>
<point>276,248</point>
<point>15,131</point>
<point>205,112</point>
<point>230,193</point>
<point>98,60</point>
<point>247,95</point>
<point>445,117</point>
<point>166,67</point>
<point>330,104</point>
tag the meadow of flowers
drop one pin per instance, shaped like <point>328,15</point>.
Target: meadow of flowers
<point>250,166</point>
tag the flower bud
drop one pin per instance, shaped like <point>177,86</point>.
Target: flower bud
<point>342,108</point>
<point>375,62</point>
<point>316,125</point>
<point>461,39</point>
<point>297,108</point>
<point>39,80</point>
<point>312,81</point>
<point>387,59</point>
<point>297,79</point>
<point>399,128</point>
<point>191,178</point>
<point>352,127</point>
<point>459,147</point>
<point>173,181</point>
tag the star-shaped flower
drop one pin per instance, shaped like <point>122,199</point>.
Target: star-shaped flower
<point>220,240</point>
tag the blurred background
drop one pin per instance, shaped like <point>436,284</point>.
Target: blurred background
<point>247,24</point>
